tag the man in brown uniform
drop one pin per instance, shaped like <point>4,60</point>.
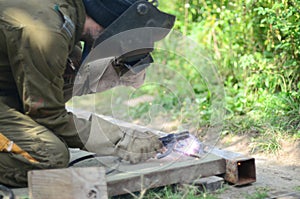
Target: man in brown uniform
<point>36,39</point>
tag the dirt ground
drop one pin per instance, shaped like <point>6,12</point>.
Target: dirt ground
<point>277,174</point>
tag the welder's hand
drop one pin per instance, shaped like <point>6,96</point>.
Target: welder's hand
<point>132,63</point>
<point>130,144</point>
<point>136,146</point>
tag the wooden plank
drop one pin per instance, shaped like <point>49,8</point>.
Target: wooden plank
<point>209,184</point>
<point>72,183</point>
<point>295,195</point>
<point>157,173</point>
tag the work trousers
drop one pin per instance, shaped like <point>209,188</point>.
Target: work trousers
<point>33,54</point>
<point>34,47</point>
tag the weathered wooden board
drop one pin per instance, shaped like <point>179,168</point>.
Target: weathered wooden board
<point>72,183</point>
<point>209,184</point>
<point>127,178</point>
<point>157,173</point>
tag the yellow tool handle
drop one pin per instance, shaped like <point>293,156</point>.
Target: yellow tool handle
<point>7,145</point>
<point>4,143</point>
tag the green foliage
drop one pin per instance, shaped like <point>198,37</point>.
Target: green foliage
<point>268,143</point>
<point>256,47</point>
<point>187,192</point>
<point>179,91</point>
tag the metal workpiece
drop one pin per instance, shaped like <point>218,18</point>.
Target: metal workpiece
<point>240,169</point>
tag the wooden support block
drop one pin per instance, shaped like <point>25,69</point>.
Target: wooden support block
<point>209,184</point>
<point>72,183</point>
<point>158,173</point>
<point>295,195</point>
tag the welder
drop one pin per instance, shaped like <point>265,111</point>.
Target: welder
<point>40,56</point>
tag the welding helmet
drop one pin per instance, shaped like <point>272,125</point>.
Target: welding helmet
<point>131,29</point>
<point>104,12</point>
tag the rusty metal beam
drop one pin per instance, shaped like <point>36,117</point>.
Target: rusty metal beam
<point>240,169</point>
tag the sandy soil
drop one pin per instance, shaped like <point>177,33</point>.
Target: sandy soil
<point>277,174</point>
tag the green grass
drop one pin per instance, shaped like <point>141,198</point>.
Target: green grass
<point>297,188</point>
<point>189,192</point>
<point>266,144</point>
<point>260,193</point>
<point>174,192</point>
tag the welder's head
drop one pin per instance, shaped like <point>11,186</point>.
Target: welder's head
<point>105,12</point>
<point>142,17</point>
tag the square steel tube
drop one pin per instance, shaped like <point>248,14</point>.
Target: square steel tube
<point>240,169</point>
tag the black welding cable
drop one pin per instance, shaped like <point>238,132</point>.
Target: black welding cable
<point>5,192</point>
<point>91,156</point>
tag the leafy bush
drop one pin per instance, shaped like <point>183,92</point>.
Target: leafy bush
<point>256,47</point>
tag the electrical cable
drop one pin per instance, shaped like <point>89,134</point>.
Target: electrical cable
<point>5,192</point>
<point>90,156</point>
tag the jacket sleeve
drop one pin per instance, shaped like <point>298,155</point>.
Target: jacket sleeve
<point>100,75</point>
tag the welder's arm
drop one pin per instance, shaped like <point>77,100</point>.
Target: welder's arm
<point>104,74</point>
<point>133,62</point>
<point>131,144</point>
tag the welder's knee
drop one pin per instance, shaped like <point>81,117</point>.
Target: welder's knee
<point>49,155</point>
<point>46,149</point>
<point>54,155</point>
